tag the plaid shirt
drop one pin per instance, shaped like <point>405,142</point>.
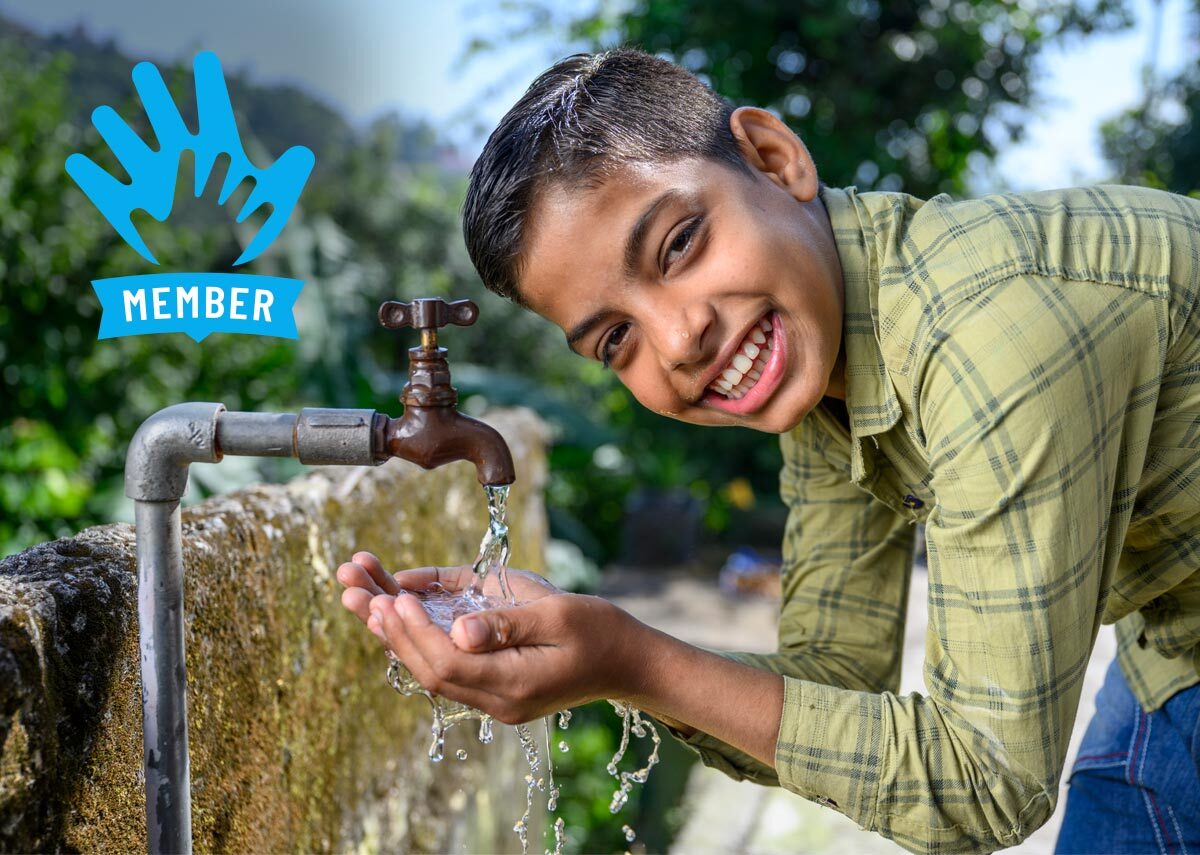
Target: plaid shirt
<point>1024,378</point>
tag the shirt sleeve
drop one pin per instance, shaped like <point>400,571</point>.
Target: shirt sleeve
<point>846,564</point>
<point>1024,392</point>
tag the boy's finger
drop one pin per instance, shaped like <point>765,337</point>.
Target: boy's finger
<point>374,568</point>
<point>376,627</point>
<point>496,629</point>
<point>402,646</point>
<point>420,578</point>
<point>358,601</point>
<point>355,576</point>
<point>396,639</point>
<point>431,641</point>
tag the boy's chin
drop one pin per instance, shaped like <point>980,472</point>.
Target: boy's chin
<point>763,422</point>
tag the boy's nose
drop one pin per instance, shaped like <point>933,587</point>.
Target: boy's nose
<point>683,336</point>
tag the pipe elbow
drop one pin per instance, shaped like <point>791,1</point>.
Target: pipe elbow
<point>156,464</point>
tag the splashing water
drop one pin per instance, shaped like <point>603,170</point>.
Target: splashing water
<point>444,607</point>
<point>535,765</point>
<point>552,793</point>
<point>639,727</point>
<point>493,550</point>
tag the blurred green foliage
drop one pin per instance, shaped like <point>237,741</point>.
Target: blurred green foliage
<point>1157,143</point>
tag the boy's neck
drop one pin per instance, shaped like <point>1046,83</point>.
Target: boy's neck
<point>837,408</point>
<point>837,377</point>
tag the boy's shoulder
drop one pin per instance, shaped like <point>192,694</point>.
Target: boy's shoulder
<point>944,269</point>
<point>1060,232</point>
<point>933,255</point>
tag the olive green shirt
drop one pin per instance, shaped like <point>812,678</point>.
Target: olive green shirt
<point>1024,378</point>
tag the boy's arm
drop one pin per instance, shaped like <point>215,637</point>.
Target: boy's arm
<point>1033,398</point>
<point>847,559</point>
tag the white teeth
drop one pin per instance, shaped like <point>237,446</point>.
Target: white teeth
<point>746,367</point>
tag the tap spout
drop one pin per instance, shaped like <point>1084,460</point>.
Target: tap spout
<point>430,436</point>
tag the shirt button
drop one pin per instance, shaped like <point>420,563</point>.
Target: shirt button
<point>911,501</point>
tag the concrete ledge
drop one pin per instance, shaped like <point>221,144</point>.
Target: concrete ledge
<point>297,743</point>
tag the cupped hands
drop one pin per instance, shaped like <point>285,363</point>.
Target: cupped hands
<point>516,663</point>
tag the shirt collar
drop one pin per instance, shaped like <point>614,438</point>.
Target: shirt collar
<point>871,399</point>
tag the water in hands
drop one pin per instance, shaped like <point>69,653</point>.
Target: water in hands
<point>443,607</point>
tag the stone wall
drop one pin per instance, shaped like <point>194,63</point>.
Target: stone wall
<point>297,743</point>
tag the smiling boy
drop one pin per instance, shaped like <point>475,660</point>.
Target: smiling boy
<point>1021,373</point>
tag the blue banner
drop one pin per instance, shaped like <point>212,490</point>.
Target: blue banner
<point>197,304</point>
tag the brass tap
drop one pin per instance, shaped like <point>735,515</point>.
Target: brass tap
<point>431,430</point>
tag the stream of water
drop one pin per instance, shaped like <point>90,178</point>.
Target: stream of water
<point>443,607</point>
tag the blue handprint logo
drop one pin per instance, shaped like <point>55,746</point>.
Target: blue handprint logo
<point>212,300</point>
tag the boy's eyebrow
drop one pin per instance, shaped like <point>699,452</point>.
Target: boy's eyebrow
<point>637,236</point>
<point>581,329</point>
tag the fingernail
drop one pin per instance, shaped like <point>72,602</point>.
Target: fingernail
<point>476,632</point>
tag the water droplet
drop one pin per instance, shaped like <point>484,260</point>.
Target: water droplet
<point>460,754</point>
<point>629,833</point>
<point>563,747</point>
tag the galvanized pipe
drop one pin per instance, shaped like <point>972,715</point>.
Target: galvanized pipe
<point>257,434</point>
<point>164,677</point>
<point>156,471</point>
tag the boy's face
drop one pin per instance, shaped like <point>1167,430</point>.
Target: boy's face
<point>676,272</point>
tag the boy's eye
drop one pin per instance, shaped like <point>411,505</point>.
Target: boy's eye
<point>682,242</point>
<point>612,342</point>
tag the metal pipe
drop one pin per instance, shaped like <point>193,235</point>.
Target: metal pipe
<point>431,433</point>
<point>257,434</point>
<point>156,472</point>
<point>164,677</point>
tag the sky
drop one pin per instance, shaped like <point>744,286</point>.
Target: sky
<point>372,56</point>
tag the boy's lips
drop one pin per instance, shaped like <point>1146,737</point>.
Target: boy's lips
<point>765,386</point>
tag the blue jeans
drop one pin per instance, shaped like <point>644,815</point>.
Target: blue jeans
<point>1136,782</point>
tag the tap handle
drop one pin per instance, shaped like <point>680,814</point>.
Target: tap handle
<point>427,313</point>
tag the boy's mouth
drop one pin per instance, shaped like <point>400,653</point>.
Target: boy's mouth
<point>751,375</point>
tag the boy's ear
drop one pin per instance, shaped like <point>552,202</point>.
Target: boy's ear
<point>773,148</point>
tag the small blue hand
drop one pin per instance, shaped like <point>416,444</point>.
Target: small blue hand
<point>154,173</point>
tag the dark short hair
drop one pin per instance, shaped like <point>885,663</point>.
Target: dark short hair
<point>579,119</point>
